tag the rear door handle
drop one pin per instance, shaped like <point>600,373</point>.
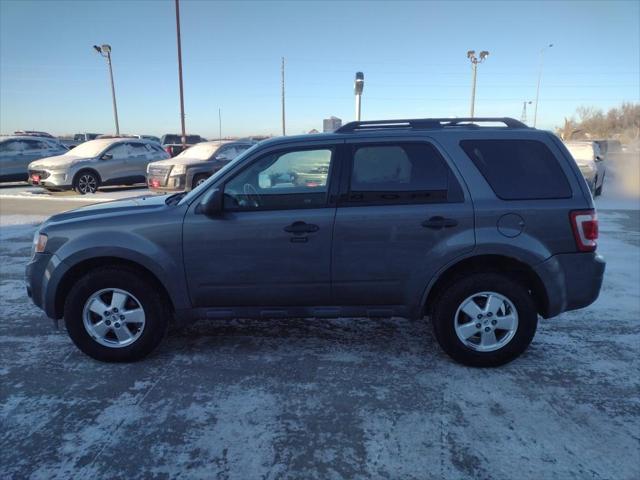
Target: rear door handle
<point>439,222</point>
<point>300,228</point>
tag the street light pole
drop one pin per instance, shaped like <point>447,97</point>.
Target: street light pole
<point>184,132</point>
<point>471,55</point>
<point>105,51</point>
<point>358,88</point>
<point>535,108</point>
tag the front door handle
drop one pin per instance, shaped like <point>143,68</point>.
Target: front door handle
<point>439,222</point>
<point>300,228</point>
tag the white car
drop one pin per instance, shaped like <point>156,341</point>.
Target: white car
<point>105,161</point>
<point>591,161</point>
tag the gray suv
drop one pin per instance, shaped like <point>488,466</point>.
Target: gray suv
<point>92,164</point>
<point>18,151</point>
<point>480,228</point>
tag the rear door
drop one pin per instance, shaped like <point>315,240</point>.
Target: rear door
<point>402,215</point>
<point>139,157</point>
<point>115,169</point>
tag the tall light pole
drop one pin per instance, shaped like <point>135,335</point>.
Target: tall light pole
<point>184,131</point>
<point>282,95</point>
<point>471,55</point>
<point>357,88</point>
<point>535,107</point>
<point>105,51</point>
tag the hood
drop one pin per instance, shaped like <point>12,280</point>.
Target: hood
<point>177,161</point>
<point>57,162</point>
<point>126,206</point>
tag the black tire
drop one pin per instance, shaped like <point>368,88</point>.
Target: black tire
<point>450,298</point>
<point>86,181</point>
<point>198,179</point>
<point>155,308</point>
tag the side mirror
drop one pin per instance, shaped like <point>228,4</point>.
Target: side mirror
<point>599,158</point>
<point>106,156</point>
<point>212,203</point>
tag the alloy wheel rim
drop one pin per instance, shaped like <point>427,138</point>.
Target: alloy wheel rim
<point>486,321</point>
<point>113,317</point>
<point>87,184</point>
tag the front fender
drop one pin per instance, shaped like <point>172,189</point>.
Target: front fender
<point>163,258</point>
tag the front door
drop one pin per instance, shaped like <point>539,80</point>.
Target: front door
<point>402,216</point>
<point>272,244</point>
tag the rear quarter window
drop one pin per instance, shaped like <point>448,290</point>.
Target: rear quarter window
<point>518,169</point>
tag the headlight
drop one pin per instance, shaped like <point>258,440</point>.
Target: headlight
<point>178,169</point>
<point>39,242</point>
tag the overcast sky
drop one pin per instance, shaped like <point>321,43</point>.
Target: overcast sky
<point>413,56</point>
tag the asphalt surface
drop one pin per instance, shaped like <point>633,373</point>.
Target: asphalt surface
<point>348,398</point>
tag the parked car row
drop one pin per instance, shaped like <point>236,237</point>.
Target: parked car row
<point>590,157</point>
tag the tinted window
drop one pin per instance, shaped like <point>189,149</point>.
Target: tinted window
<point>518,169</point>
<point>34,145</point>
<point>137,149</point>
<point>405,172</point>
<point>293,179</point>
<point>13,146</point>
<point>119,151</point>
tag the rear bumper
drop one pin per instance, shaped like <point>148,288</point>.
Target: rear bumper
<point>172,183</point>
<point>572,281</point>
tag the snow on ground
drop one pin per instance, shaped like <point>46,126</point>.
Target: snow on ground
<point>347,398</point>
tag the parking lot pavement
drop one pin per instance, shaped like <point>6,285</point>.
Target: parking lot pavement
<point>24,191</point>
<point>348,398</point>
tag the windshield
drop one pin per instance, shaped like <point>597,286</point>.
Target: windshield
<point>202,151</point>
<point>203,186</point>
<point>90,149</point>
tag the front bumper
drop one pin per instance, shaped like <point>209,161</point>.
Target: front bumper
<point>48,178</point>
<point>43,271</point>
<point>171,183</point>
<point>572,281</point>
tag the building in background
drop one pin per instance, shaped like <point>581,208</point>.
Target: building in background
<point>313,131</point>
<point>331,124</point>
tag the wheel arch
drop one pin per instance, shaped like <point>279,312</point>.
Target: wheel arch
<point>74,273</point>
<point>486,263</point>
<point>86,169</point>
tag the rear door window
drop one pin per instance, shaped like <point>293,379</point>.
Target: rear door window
<point>518,169</point>
<point>401,173</point>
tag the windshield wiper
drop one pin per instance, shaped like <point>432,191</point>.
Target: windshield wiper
<point>175,198</point>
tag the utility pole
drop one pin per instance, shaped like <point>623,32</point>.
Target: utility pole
<point>358,87</point>
<point>471,55</point>
<point>535,108</point>
<point>284,132</point>
<point>105,51</point>
<point>219,125</point>
<point>184,132</point>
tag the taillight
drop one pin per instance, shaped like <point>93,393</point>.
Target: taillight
<point>585,229</point>
<point>168,150</point>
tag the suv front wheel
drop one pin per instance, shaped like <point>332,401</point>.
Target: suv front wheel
<point>86,182</point>
<point>115,315</point>
<point>485,319</point>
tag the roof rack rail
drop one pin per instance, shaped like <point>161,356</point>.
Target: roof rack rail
<point>427,123</point>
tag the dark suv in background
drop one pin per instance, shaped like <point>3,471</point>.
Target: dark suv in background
<point>193,166</point>
<point>480,228</point>
<point>172,143</point>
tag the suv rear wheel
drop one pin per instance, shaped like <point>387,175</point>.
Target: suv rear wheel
<point>115,315</point>
<point>86,182</point>
<point>485,319</point>
<point>199,179</point>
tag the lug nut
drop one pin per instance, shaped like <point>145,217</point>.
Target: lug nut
<point>488,314</point>
<point>115,310</point>
<point>487,329</point>
<point>479,316</point>
<point>117,325</point>
<point>493,322</point>
<point>108,322</point>
<point>478,325</point>
<point>106,313</point>
<point>122,317</point>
